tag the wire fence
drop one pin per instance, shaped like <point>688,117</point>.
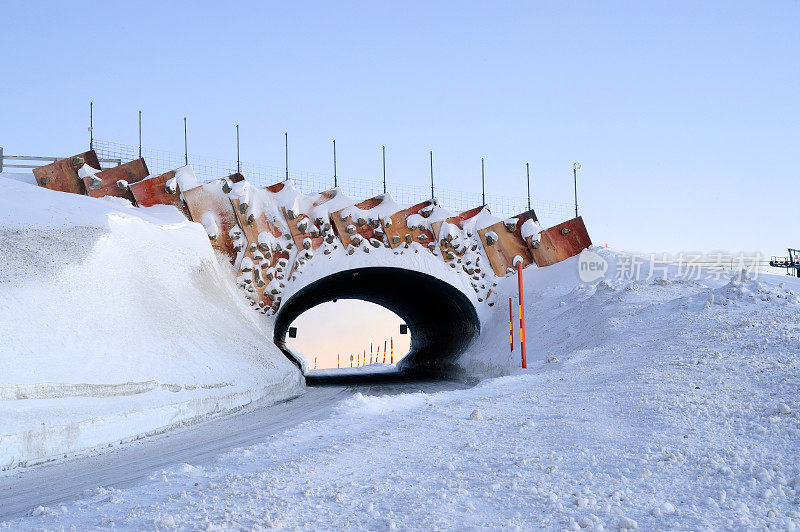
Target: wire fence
<point>160,161</point>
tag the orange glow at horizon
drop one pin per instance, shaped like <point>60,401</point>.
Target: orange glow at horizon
<point>347,327</point>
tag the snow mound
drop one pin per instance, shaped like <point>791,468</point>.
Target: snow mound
<point>568,319</point>
<point>118,322</point>
<point>368,406</point>
<point>747,290</point>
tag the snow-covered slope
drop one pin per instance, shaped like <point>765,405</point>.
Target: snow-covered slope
<point>116,322</point>
<point>565,314</point>
<point>665,404</point>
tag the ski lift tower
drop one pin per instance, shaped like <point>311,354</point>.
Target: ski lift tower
<point>792,262</point>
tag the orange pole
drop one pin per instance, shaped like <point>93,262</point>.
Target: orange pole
<point>521,316</point>
<point>391,342</point>
<point>370,353</point>
<point>510,324</point>
<point>315,362</point>
<point>365,358</point>
<point>384,351</point>
<point>337,360</point>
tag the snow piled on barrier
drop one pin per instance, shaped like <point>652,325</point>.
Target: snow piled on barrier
<point>118,322</point>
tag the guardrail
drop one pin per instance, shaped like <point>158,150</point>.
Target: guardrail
<point>41,161</point>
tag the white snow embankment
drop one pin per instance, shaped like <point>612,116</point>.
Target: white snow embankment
<point>566,315</point>
<point>375,368</point>
<point>659,407</point>
<point>116,322</point>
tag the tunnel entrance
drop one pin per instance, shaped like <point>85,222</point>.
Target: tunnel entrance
<point>349,333</point>
<point>441,319</point>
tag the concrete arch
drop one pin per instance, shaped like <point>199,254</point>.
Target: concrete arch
<point>442,320</point>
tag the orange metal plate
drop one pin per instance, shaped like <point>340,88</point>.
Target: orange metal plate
<point>63,175</point>
<point>554,246</point>
<point>298,236</point>
<point>457,220</point>
<point>132,172</point>
<point>152,191</point>
<point>262,296</point>
<point>260,224</point>
<point>365,230</point>
<point>204,198</point>
<point>508,245</point>
<point>251,231</point>
<point>396,233</point>
<point>277,187</point>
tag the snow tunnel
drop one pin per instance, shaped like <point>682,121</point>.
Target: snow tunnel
<point>441,319</point>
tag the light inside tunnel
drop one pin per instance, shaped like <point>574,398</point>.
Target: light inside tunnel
<point>442,319</point>
<point>348,327</point>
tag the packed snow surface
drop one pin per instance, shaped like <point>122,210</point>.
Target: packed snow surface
<point>117,322</point>
<point>344,371</point>
<point>649,404</point>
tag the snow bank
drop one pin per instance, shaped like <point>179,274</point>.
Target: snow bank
<point>658,411</point>
<point>565,315</point>
<point>24,177</point>
<point>345,371</point>
<point>118,322</point>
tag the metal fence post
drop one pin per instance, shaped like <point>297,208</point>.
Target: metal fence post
<point>433,195</point>
<point>158,161</point>
<point>1,159</point>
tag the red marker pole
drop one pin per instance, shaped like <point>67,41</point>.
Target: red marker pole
<point>521,316</point>
<point>384,351</point>
<point>337,360</point>
<point>391,342</point>
<point>510,324</point>
<point>370,353</point>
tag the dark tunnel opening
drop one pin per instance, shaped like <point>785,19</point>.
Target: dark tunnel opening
<point>441,319</point>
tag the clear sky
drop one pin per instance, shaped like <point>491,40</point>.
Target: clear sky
<point>685,115</point>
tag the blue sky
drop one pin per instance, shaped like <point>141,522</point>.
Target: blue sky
<point>684,115</point>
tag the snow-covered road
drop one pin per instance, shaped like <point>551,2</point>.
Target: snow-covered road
<point>198,444</point>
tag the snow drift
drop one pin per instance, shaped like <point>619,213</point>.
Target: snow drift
<point>565,314</point>
<point>655,403</point>
<point>116,322</point>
